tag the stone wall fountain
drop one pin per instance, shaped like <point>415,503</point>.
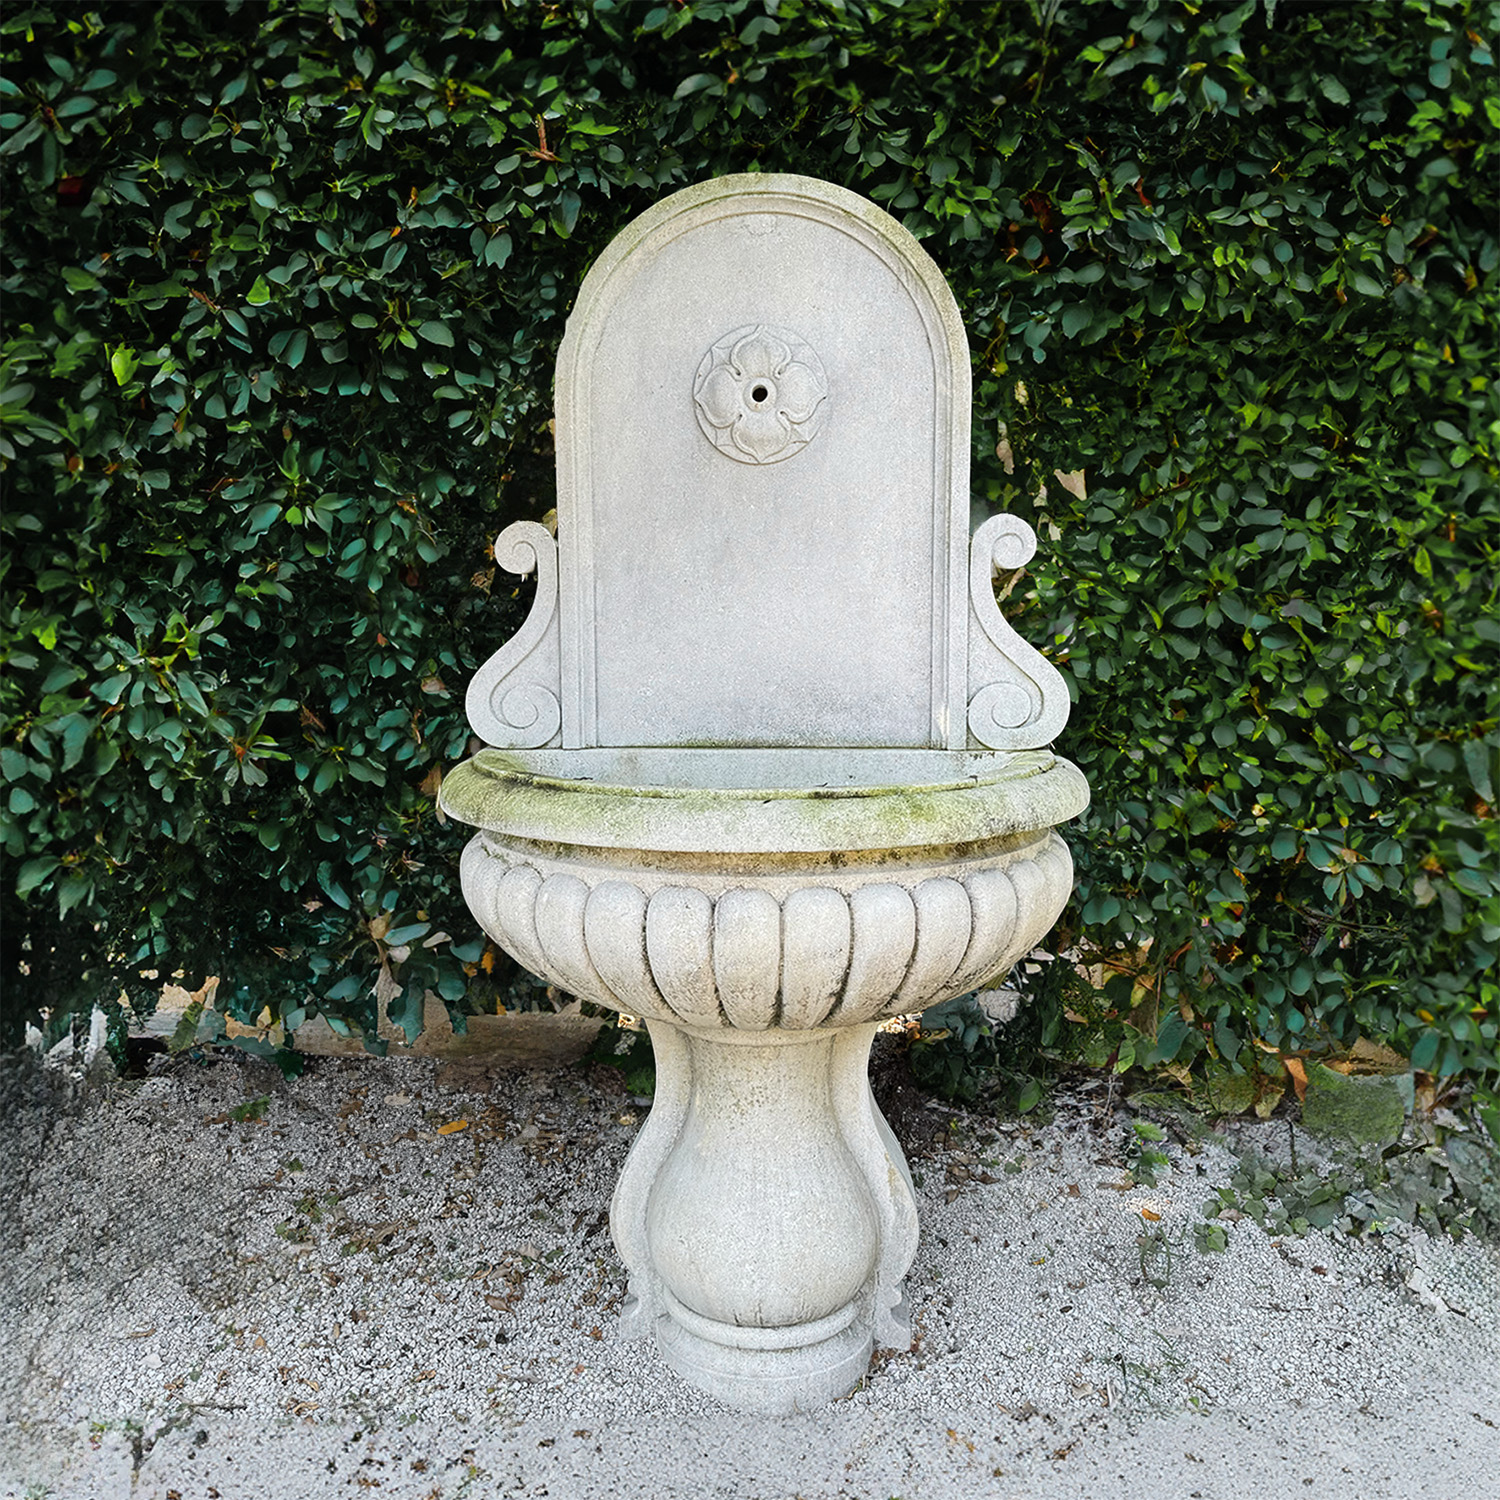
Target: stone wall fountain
<point>768,764</point>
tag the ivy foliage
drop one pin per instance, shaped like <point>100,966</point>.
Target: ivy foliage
<point>285,283</point>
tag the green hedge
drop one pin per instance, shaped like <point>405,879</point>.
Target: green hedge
<point>284,287</point>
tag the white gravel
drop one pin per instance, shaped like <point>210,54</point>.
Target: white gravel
<point>340,1298</point>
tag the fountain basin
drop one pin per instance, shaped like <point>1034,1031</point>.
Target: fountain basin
<point>759,907</point>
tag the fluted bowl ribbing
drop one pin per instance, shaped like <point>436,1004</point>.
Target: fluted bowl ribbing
<point>830,901</point>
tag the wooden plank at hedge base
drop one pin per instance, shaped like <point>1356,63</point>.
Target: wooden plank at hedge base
<point>516,1039</point>
<point>765,830</point>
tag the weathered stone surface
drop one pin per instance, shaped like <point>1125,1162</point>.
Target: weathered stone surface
<point>768,763</point>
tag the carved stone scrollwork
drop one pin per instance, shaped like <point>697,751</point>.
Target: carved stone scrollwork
<point>513,700</point>
<point>1017,698</point>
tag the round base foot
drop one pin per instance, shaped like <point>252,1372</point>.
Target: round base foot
<point>763,1379</point>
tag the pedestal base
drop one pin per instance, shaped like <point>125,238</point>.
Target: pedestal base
<point>763,1377</point>
<point>766,1215</point>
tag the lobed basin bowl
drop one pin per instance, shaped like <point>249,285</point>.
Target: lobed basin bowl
<point>826,903</point>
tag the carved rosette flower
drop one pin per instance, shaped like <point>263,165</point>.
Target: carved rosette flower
<point>761,395</point>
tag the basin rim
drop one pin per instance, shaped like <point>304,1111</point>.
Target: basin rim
<point>669,803</point>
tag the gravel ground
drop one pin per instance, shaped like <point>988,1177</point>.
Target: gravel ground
<point>399,1278</point>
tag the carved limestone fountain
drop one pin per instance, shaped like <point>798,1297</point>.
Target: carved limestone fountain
<point>768,764</point>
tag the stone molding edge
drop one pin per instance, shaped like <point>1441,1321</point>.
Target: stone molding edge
<point>746,959</point>
<point>513,699</point>
<point>918,274</point>
<point>648,1153</point>
<point>1017,699</point>
<point>878,1156</point>
<point>753,1336</point>
<point>497,793</point>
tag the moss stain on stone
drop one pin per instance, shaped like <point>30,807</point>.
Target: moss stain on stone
<point>1365,1110</point>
